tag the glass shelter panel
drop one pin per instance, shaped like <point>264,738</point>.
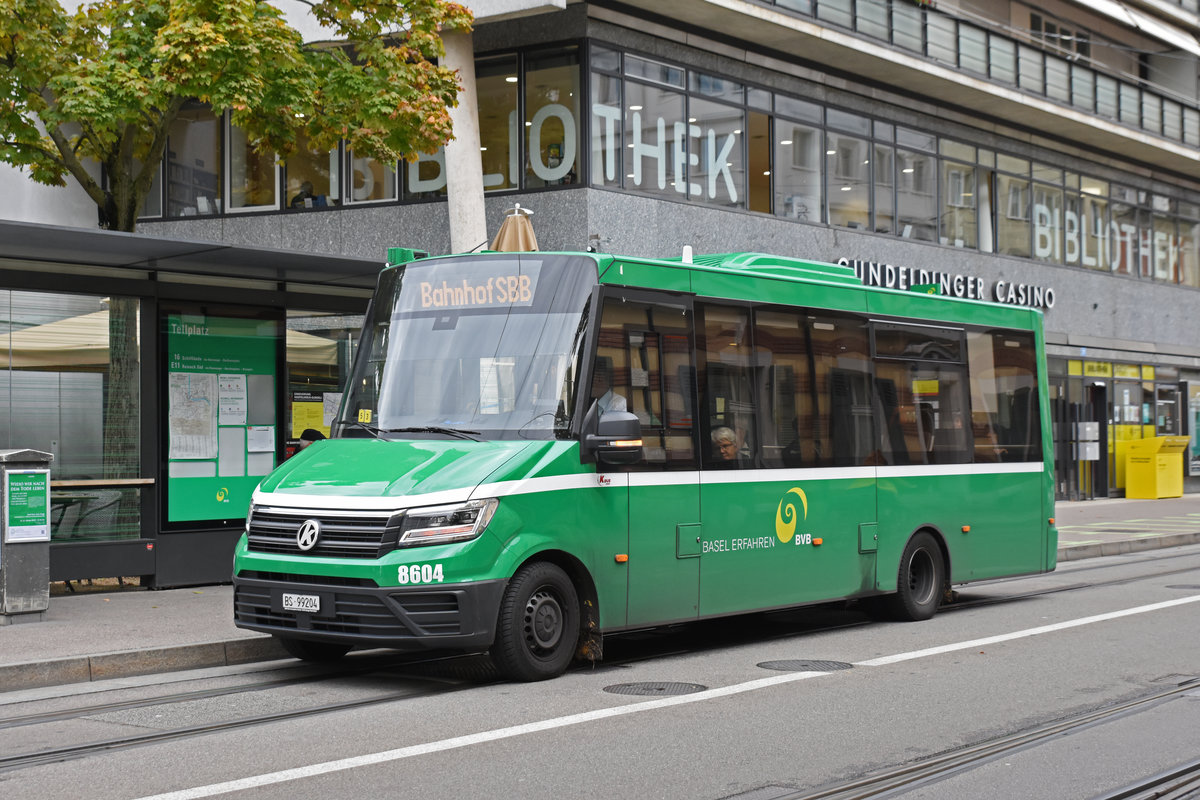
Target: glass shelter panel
<point>70,386</point>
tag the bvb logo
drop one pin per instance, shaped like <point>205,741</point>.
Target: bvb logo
<point>785,515</point>
<point>222,493</point>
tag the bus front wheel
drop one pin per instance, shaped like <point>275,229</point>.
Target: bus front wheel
<point>921,582</point>
<point>538,626</point>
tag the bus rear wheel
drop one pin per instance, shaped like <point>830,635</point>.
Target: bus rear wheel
<point>306,650</point>
<point>538,626</point>
<point>921,582</point>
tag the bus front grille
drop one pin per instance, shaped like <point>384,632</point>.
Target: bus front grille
<point>373,616</point>
<point>341,535</point>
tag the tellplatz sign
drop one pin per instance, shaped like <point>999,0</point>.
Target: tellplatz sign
<point>951,284</point>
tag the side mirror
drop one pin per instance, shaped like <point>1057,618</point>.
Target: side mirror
<point>616,439</point>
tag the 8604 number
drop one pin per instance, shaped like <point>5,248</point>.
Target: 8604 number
<point>419,573</point>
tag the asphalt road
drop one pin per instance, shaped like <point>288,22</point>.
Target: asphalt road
<point>1009,658</point>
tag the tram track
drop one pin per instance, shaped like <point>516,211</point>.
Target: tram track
<point>1182,782</point>
<point>442,675</point>
<point>432,686</point>
<point>897,781</point>
<point>57,754</point>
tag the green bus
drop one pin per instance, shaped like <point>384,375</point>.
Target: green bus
<point>538,449</point>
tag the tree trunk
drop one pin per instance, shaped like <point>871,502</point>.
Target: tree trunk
<point>122,420</point>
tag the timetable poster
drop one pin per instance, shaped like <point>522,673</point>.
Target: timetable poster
<point>220,413</point>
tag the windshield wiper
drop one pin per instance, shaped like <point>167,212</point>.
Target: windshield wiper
<point>371,429</point>
<point>456,432</point>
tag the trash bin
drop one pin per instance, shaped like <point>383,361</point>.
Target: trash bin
<point>24,535</point>
<point>1154,467</point>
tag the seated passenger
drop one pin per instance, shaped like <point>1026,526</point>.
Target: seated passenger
<point>602,386</point>
<point>727,453</point>
<point>724,444</point>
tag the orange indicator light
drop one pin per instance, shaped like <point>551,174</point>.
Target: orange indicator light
<point>621,558</point>
<point>627,443</point>
<point>966,528</point>
<point>1052,520</point>
<point>817,542</point>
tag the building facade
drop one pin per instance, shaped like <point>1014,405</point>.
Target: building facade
<point>1040,155</point>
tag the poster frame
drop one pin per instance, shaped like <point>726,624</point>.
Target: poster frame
<point>25,533</point>
<point>238,496</point>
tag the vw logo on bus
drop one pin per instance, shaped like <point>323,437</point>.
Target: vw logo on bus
<point>306,537</point>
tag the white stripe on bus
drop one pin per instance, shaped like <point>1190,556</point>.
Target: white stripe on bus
<point>589,480</point>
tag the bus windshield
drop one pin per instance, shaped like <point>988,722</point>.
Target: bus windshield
<point>484,346</point>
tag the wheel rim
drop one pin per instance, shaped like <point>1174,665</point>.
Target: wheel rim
<point>543,621</point>
<point>922,576</point>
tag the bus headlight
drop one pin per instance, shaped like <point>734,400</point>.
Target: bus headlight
<point>443,524</point>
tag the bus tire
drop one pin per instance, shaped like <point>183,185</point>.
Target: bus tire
<point>306,650</point>
<point>538,626</point>
<point>921,580</point>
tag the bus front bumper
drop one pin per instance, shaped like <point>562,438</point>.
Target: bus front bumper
<point>458,616</point>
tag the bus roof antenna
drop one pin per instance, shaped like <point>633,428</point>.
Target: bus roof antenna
<point>687,254</point>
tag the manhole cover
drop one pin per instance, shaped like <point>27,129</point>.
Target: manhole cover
<point>802,665</point>
<point>1191,587</point>
<point>654,689</point>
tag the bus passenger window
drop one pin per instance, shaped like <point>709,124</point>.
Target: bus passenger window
<point>814,382</point>
<point>1004,403</point>
<point>731,376</point>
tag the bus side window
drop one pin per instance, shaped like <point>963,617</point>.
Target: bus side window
<point>646,349</point>
<point>724,350</point>
<point>1005,424</point>
<point>813,378</point>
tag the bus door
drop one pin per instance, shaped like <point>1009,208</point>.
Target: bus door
<point>645,344</point>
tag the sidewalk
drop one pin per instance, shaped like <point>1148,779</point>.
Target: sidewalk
<point>97,636</point>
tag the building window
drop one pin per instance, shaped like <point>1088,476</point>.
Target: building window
<point>368,180</point>
<point>798,160</point>
<point>551,114</point>
<point>193,163</point>
<point>1123,230</point>
<point>313,177</point>
<point>916,195</point>
<point>1012,227</point>
<point>715,153</point>
<point>252,183</point>
<point>496,82</point>
<point>1047,222</point>
<point>656,148</point>
<point>959,226</point>
<point>758,161</point>
<point>1189,246</point>
<point>848,161</point>
<point>884,173</point>
<point>607,130</point>
<point>1166,249</point>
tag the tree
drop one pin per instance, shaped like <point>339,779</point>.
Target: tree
<point>104,83</point>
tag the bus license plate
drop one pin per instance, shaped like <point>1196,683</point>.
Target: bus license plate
<point>302,602</point>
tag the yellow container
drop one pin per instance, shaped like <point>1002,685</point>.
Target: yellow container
<point>1154,467</point>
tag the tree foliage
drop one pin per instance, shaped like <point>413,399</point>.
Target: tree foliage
<point>105,82</point>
